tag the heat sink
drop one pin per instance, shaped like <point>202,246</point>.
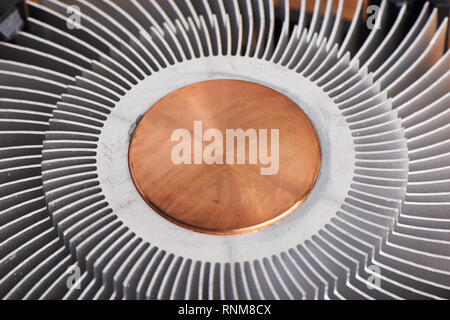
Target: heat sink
<point>70,99</point>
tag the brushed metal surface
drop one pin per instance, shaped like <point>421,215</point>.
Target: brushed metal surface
<point>224,198</point>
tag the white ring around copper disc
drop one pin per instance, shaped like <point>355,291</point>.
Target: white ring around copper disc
<point>326,198</point>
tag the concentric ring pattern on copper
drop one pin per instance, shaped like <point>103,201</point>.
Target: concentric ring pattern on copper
<point>225,197</point>
<point>68,206</point>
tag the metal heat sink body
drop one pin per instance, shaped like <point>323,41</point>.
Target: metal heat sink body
<point>77,80</point>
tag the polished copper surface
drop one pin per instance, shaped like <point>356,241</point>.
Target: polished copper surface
<point>224,198</point>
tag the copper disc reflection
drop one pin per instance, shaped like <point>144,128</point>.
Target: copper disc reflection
<point>224,198</point>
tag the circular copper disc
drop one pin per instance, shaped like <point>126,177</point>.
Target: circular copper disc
<point>224,198</point>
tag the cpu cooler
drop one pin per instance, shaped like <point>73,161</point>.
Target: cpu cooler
<point>92,208</point>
